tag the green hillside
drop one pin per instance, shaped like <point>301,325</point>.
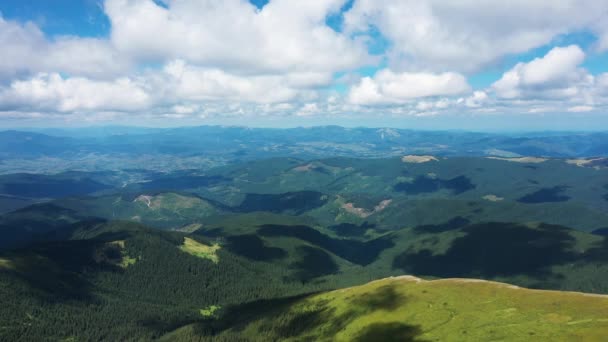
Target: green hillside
<point>410,309</point>
<point>389,193</point>
<point>122,281</point>
<point>131,280</point>
<point>250,251</point>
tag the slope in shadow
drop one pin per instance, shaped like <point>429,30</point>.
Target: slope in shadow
<point>312,263</point>
<point>351,230</point>
<point>455,223</point>
<point>44,186</point>
<point>598,253</point>
<point>495,249</point>
<point>60,270</point>
<point>389,332</point>
<point>601,231</point>
<point>544,195</point>
<point>177,181</point>
<point>358,252</point>
<point>425,184</point>
<point>383,298</point>
<point>252,247</point>
<point>299,319</point>
<point>295,202</point>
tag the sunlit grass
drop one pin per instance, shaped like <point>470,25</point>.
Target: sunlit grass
<point>200,250</point>
<point>6,264</point>
<point>125,260</point>
<point>443,310</point>
<point>209,311</point>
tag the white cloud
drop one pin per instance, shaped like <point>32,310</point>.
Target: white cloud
<point>476,100</point>
<point>580,109</point>
<point>602,29</point>
<point>233,35</point>
<point>602,81</point>
<point>308,109</point>
<point>467,35</point>
<point>54,93</point>
<point>185,109</point>
<point>178,88</point>
<point>26,49</point>
<point>230,35</point>
<point>227,58</point>
<point>556,75</point>
<point>181,81</point>
<point>558,65</point>
<point>388,87</point>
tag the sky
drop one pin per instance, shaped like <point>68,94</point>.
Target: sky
<point>429,64</point>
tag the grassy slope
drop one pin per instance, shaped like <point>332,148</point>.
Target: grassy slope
<point>169,288</point>
<point>200,250</point>
<point>409,309</point>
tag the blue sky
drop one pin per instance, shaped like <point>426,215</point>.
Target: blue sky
<point>426,64</point>
<point>60,17</point>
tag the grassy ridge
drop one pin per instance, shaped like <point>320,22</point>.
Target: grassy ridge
<point>65,285</point>
<point>410,309</point>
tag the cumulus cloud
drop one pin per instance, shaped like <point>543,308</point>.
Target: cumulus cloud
<point>25,49</point>
<point>468,35</point>
<point>308,109</point>
<point>178,86</point>
<point>180,81</point>
<point>388,87</point>
<point>185,82</point>
<point>602,29</point>
<point>54,93</point>
<point>234,35</point>
<point>201,58</point>
<point>556,75</point>
<point>602,81</point>
<point>478,99</point>
<point>580,109</point>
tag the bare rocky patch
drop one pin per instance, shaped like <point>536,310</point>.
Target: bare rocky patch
<point>364,213</point>
<point>189,228</point>
<point>304,168</point>
<point>414,159</point>
<point>493,198</point>
<point>596,163</point>
<point>525,160</point>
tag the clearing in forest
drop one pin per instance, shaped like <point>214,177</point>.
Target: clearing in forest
<point>200,250</point>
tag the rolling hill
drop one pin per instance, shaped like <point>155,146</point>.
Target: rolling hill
<point>411,309</point>
<point>252,250</point>
<point>204,147</point>
<point>123,281</point>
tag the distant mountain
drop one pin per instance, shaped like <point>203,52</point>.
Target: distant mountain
<point>204,146</point>
<point>15,144</point>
